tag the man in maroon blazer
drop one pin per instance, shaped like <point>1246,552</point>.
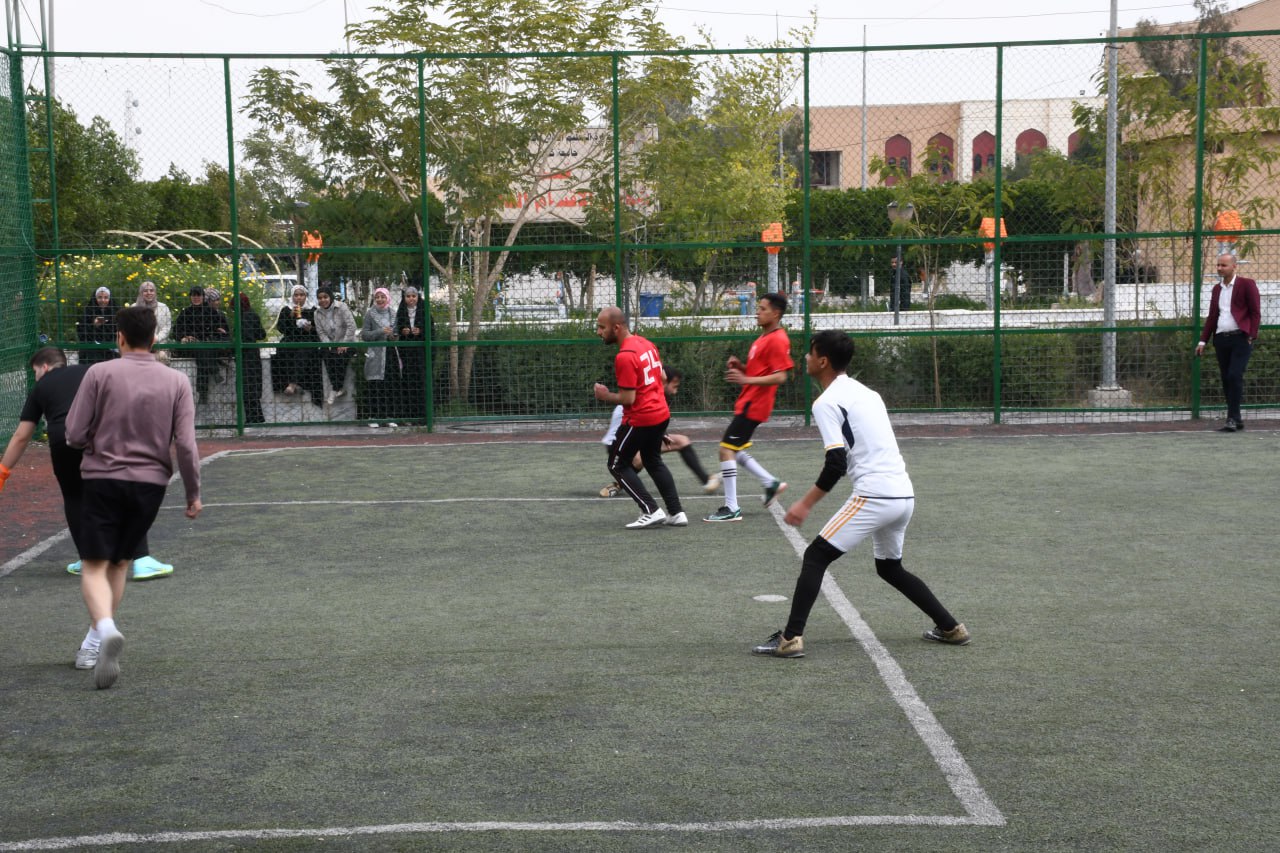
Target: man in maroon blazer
<point>1235,311</point>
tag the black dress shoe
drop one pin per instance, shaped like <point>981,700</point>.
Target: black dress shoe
<point>1230,426</point>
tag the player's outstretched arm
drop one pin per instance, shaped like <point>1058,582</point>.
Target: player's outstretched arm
<point>17,446</point>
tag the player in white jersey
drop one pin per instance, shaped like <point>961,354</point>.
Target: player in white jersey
<point>859,441</point>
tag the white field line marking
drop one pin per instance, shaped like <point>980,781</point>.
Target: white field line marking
<point>40,547</point>
<point>981,811</point>
<point>34,551</point>
<point>441,827</point>
<point>940,745</point>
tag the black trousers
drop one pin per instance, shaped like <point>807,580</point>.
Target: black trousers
<point>647,441</point>
<point>66,469</point>
<point>1233,350</point>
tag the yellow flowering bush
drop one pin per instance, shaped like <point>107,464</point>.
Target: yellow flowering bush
<point>63,296</point>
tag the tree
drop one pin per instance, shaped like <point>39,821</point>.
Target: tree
<point>493,121</point>
<point>709,169</point>
<point>178,202</point>
<point>941,209</point>
<point>97,178</point>
<point>1158,99</point>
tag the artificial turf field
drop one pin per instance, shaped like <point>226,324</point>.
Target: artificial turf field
<point>458,647</point>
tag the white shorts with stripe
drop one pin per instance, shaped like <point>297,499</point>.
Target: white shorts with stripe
<point>885,520</point>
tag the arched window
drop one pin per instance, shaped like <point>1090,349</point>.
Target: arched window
<point>1073,143</point>
<point>984,151</point>
<point>897,152</point>
<point>944,147</point>
<point>1030,140</point>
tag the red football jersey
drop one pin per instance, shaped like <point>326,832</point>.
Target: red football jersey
<point>637,366</point>
<point>769,354</point>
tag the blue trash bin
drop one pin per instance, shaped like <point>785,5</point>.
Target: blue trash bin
<point>651,304</point>
<point>744,299</point>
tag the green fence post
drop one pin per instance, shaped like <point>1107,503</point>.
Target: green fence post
<point>999,245</point>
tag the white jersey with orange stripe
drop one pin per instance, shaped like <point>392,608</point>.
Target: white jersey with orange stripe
<point>850,415</point>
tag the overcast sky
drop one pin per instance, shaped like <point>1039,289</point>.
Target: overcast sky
<point>173,111</point>
<point>216,26</point>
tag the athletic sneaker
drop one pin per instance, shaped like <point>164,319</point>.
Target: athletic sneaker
<point>957,636</point>
<point>712,484</point>
<point>86,658</point>
<point>725,514</point>
<point>649,519</point>
<point>677,520</point>
<point>772,490</point>
<point>779,646</point>
<point>107,668</point>
<point>146,568</point>
<point>610,491</point>
<point>74,568</point>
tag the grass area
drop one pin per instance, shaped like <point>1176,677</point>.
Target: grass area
<point>440,643</point>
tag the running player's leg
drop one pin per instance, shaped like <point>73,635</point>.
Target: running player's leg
<point>626,445</point>
<point>66,469</point>
<point>615,421</point>
<point>887,544</point>
<point>674,442</point>
<point>651,457</point>
<point>746,460</point>
<point>736,438</point>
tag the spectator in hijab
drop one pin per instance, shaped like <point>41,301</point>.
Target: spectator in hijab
<point>251,331</point>
<point>300,365</point>
<point>98,326</point>
<point>334,323</point>
<point>413,328</point>
<point>149,297</point>
<point>201,323</point>
<point>381,364</point>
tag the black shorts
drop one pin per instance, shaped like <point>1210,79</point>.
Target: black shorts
<point>737,436</point>
<point>114,518</point>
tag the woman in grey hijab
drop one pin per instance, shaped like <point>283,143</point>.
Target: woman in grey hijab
<point>381,364</point>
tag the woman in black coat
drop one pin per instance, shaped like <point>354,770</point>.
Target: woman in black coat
<point>98,326</point>
<point>413,328</point>
<point>300,366</point>
<point>251,331</point>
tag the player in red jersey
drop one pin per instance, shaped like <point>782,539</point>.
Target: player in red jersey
<point>768,365</point>
<point>645,416</point>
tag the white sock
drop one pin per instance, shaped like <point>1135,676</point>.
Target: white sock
<point>729,478</point>
<point>105,626</point>
<point>92,639</point>
<point>746,460</point>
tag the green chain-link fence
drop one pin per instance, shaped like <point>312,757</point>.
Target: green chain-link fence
<point>945,205</point>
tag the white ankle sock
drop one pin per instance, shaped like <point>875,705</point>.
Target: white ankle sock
<point>92,640</point>
<point>105,626</point>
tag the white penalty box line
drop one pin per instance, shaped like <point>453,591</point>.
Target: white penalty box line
<point>964,784</point>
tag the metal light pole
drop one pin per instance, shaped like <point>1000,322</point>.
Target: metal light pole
<point>1109,213</point>
<point>899,215</point>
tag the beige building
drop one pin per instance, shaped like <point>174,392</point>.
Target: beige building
<point>962,132</point>
<point>1171,258</point>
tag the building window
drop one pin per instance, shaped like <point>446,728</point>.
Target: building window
<point>984,152</point>
<point>897,153</point>
<point>824,169</point>
<point>1030,140</point>
<point>941,156</point>
<point>1073,144</point>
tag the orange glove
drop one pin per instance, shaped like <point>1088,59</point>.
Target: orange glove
<point>4,475</point>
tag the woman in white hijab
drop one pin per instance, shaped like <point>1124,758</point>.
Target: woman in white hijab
<point>148,297</point>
